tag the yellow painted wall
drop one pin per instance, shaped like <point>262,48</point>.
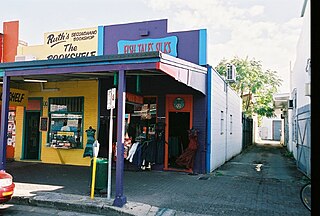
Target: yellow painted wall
<point>87,89</point>
<point>36,51</point>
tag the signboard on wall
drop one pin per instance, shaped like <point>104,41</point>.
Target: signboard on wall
<point>11,141</point>
<point>43,124</point>
<point>71,43</point>
<point>166,45</point>
<point>17,97</point>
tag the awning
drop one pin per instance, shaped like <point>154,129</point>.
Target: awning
<point>280,100</point>
<point>145,64</point>
<point>185,72</point>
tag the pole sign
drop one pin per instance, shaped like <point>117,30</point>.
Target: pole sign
<point>111,99</point>
<point>111,104</point>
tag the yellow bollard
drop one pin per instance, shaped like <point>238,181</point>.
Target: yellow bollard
<point>93,181</point>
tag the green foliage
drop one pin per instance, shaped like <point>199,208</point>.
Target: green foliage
<point>288,154</point>
<point>255,86</point>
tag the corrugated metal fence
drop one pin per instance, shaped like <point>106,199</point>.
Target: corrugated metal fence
<point>247,131</point>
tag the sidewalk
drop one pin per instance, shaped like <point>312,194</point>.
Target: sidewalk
<point>236,188</point>
<point>80,203</point>
<point>68,188</point>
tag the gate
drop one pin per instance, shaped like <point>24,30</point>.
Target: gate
<point>303,138</point>
<point>247,131</point>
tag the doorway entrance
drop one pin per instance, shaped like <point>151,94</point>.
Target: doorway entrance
<point>276,129</point>
<point>31,147</point>
<point>31,150</point>
<point>178,122</point>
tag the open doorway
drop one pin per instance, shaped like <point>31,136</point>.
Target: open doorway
<point>179,123</point>
<point>31,146</point>
<point>179,109</point>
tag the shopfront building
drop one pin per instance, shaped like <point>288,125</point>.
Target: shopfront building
<point>166,112</point>
<point>17,102</point>
<point>164,88</point>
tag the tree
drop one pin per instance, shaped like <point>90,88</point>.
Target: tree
<point>255,86</point>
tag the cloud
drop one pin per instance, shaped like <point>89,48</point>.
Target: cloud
<point>257,29</point>
<point>256,10</point>
<point>237,31</point>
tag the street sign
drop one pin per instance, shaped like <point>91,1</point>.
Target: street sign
<point>111,99</point>
<point>111,104</point>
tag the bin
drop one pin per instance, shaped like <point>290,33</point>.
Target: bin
<point>101,173</point>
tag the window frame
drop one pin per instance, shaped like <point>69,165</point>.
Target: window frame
<point>80,113</point>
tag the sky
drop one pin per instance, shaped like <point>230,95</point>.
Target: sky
<point>263,30</point>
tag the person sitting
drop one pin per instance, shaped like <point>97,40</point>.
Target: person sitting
<point>65,126</point>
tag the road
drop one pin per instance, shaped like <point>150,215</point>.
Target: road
<point>11,210</point>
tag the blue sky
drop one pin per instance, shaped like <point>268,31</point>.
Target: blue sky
<point>266,30</point>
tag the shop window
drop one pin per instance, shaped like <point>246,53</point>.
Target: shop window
<point>66,122</point>
<point>144,118</point>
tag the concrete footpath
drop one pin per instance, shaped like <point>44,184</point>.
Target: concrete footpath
<point>262,180</point>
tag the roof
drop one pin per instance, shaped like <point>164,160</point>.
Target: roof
<point>146,64</point>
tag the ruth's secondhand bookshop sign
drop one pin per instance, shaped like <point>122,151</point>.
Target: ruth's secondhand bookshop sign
<point>71,43</point>
<point>17,97</point>
<point>166,45</point>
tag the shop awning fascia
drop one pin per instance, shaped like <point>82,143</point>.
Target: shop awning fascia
<point>78,65</point>
<point>188,73</point>
<point>183,71</point>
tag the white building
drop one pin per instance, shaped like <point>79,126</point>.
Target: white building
<point>225,117</point>
<point>299,112</point>
<point>271,129</point>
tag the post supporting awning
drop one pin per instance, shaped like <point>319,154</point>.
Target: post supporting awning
<point>4,120</point>
<point>120,199</point>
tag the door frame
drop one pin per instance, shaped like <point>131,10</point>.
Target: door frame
<point>22,156</point>
<point>188,107</point>
<point>275,132</point>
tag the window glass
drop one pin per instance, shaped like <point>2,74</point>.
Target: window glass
<point>66,118</point>
<point>144,118</point>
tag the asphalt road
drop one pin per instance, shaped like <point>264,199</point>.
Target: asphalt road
<point>25,210</point>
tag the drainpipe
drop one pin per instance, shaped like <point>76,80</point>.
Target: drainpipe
<point>226,123</point>
<point>4,120</point>
<point>209,117</point>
